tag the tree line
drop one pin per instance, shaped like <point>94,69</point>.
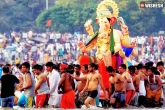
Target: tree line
<point>70,16</point>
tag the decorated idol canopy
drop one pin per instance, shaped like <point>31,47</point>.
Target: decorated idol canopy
<point>113,46</point>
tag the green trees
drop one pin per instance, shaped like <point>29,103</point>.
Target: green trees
<point>70,16</point>
<point>19,14</point>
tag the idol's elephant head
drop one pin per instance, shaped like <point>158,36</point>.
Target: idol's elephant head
<point>105,23</point>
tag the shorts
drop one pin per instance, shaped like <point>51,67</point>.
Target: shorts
<point>120,97</point>
<point>93,93</point>
<point>40,100</point>
<point>8,102</point>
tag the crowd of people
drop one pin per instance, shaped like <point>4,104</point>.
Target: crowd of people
<point>72,86</point>
<point>17,47</point>
<point>52,84</point>
<point>40,47</point>
<point>37,73</point>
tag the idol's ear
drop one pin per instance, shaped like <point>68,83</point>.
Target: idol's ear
<point>112,21</point>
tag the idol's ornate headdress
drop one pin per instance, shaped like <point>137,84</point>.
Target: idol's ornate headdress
<point>103,11</point>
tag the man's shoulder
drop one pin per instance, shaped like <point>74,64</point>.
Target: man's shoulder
<point>137,76</point>
<point>82,75</point>
<point>11,75</point>
<point>126,73</point>
<point>111,77</point>
<point>64,74</point>
<point>118,75</point>
<point>2,76</point>
<point>28,74</point>
<point>157,76</point>
<point>41,75</point>
<point>97,74</point>
<point>8,76</point>
<point>54,73</point>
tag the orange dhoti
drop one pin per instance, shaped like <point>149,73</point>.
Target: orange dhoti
<point>154,95</point>
<point>68,100</point>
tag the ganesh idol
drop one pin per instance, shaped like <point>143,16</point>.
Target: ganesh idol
<point>113,46</point>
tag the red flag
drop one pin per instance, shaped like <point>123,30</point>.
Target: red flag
<point>48,23</point>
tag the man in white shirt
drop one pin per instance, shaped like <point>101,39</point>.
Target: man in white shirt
<point>139,41</point>
<point>146,56</point>
<point>50,48</point>
<point>67,46</point>
<point>19,49</point>
<point>52,36</point>
<point>16,71</point>
<point>148,48</point>
<point>54,79</point>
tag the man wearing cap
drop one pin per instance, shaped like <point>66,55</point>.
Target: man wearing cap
<point>68,94</point>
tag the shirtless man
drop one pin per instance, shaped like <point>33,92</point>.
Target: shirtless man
<point>130,89</point>
<point>161,70</point>
<point>118,98</point>
<point>41,88</point>
<point>138,70</point>
<point>160,67</point>
<point>144,70</point>
<point>77,73</point>
<point>68,94</point>
<point>136,80</point>
<point>80,86</point>
<point>93,80</point>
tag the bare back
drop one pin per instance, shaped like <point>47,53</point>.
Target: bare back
<point>67,85</point>
<point>136,81</point>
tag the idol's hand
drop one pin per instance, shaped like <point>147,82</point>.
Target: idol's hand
<point>82,47</point>
<point>124,28</point>
<point>133,44</point>
<point>89,27</point>
<point>120,21</point>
